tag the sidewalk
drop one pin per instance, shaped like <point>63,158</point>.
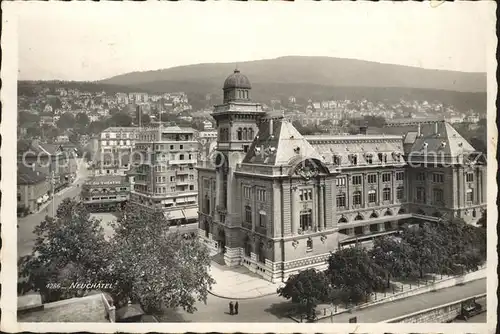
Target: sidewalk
<point>238,283</point>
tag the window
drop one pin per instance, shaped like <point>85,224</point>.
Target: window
<point>400,193</point>
<point>372,178</point>
<point>306,220</point>
<point>369,159</point>
<point>306,194</point>
<point>354,159</point>
<point>356,198</point>
<point>181,156</point>
<point>386,177</point>
<point>372,196</point>
<point>437,195</point>
<point>400,176</point>
<point>340,181</point>
<point>469,195</point>
<point>206,205</point>
<point>262,219</point>
<point>356,179</point>
<point>469,177</point>
<point>247,191</point>
<point>172,179</point>
<point>245,137</point>
<point>437,177</point>
<point>250,134</point>
<point>171,147</point>
<point>386,194</point>
<point>336,159</point>
<point>248,214</point>
<point>309,245</point>
<point>261,195</point>
<point>191,187</point>
<point>181,147</point>
<point>240,134</point>
<point>382,157</point>
<point>341,200</point>
<point>421,176</point>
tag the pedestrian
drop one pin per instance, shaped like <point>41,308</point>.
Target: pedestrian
<point>231,308</point>
<point>236,308</point>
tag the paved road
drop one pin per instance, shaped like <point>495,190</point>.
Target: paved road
<point>25,236</point>
<point>412,304</point>
<point>262,309</point>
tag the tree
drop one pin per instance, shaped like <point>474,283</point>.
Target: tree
<point>395,256</point>
<point>66,121</point>
<point>145,119</point>
<point>426,247</point>
<point>97,127</point>
<point>120,119</point>
<point>82,120</point>
<point>307,289</point>
<point>482,221</point>
<point>155,268</point>
<point>352,271</point>
<point>69,248</point>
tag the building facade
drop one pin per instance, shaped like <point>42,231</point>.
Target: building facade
<point>105,193</point>
<point>115,147</point>
<point>165,178</point>
<point>33,188</point>
<point>278,202</point>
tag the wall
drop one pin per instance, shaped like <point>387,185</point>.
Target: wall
<point>439,314</point>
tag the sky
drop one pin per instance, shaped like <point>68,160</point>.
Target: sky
<point>97,40</point>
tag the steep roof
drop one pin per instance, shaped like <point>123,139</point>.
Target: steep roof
<point>279,143</point>
<point>27,176</point>
<point>446,140</point>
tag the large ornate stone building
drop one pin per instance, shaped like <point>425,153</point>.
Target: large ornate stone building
<point>278,202</point>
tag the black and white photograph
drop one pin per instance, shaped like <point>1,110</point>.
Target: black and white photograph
<point>249,166</point>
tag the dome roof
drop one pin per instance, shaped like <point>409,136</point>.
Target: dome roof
<point>237,80</point>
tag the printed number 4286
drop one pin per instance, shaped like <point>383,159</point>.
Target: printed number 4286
<point>53,286</point>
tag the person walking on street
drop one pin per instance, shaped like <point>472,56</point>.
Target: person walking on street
<point>236,308</point>
<point>231,308</point>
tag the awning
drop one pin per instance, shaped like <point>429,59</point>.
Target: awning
<point>174,214</point>
<point>167,201</point>
<point>191,213</point>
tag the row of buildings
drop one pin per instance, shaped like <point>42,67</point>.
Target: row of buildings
<point>42,170</point>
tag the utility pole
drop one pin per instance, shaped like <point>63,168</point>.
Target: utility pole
<point>53,194</point>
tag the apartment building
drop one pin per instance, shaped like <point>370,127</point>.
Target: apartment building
<point>165,177</point>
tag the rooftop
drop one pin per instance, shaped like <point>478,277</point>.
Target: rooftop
<point>27,176</point>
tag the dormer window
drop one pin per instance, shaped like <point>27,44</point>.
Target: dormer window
<point>443,144</point>
<point>369,158</point>
<point>336,159</point>
<point>353,158</point>
<point>424,146</point>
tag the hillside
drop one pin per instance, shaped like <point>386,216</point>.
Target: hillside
<point>322,71</point>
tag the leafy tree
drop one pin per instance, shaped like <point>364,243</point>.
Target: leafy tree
<point>66,121</point>
<point>27,119</point>
<point>82,120</point>
<point>482,221</point>
<point>155,268</point>
<point>352,271</point>
<point>34,131</point>
<point>426,247</point>
<point>145,119</point>
<point>69,248</point>
<point>395,256</point>
<point>97,127</point>
<point>120,119</point>
<point>307,289</point>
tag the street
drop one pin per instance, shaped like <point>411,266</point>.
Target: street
<point>25,236</point>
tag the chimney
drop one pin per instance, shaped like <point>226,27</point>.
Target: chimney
<point>419,130</point>
<point>270,126</point>
<point>362,130</point>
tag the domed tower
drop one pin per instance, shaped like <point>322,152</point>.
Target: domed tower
<point>236,120</point>
<point>236,87</point>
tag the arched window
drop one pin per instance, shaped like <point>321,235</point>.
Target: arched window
<point>386,194</point>
<point>342,220</point>
<point>356,198</point>
<point>309,244</point>
<point>372,196</point>
<point>250,134</point>
<point>358,217</point>
<point>206,205</point>
<point>240,134</point>
<point>374,215</point>
<point>306,219</point>
<point>388,213</point>
<point>245,134</point>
